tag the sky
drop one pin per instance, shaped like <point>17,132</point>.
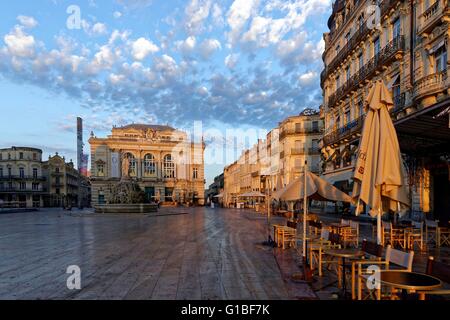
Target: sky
<point>231,64</point>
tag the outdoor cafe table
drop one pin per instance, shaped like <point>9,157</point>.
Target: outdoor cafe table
<point>406,280</point>
<point>343,254</point>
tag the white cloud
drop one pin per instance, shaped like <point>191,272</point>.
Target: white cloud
<point>117,14</point>
<point>196,13</point>
<point>27,22</point>
<point>238,15</point>
<point>231,60</point>
<point>186,46</point>
<point>99,29</point>
<point>142,47</point>
<point>19,43</point>
<point>307,79</point>
<point>208,47</point>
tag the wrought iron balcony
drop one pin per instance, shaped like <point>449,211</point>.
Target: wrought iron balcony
<point>429,85</point>
<point>354,41</point>
<point>304,151</point>
<point>288,132</point>
<point>22,177</point>
<point>385,56</point>
<point>351,129</point>
<point>399,102</point>
<point>432,16</point>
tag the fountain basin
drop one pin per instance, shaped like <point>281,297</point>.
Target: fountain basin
<point>127,208</point>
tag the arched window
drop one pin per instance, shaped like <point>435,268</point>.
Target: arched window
<point>133,165</point>
<point>169,167</point>
<point>149,165</point>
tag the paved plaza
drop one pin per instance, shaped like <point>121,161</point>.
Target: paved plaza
<point>178,253</point>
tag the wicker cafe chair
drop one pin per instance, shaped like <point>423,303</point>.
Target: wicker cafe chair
<point>316,251</point>
<point>350,235</point>
<point>442,272</point>
<point>443,235</point>
<point>398,236</point>
<point>393,259</point>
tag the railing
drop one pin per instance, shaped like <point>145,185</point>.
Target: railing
<point>430,17</point>
<point>288,132</point>
<point>430,84</point>
<point>19,177</point>
<point>368,70</point>
<point>302,151</point>
<point>344,132</point>
<point>399,102</point>
<point>354,41</point>
<point>15,189</point>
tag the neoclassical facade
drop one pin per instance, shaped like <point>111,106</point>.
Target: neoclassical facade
<point>165,163</point>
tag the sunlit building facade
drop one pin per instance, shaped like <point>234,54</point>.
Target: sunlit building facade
<point>406,47</point>
<point>166,164</point>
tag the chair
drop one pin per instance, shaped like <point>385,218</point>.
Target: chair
<point>350,235</point>
<point>415,235</point>
<point>317,251</point>
<point>443,235</point>
<point>439,270</point>
<point>372,252</point>
<point>287,235</point>
<point>397,236</point>
<point>393,259</point>
<point>386,232</point>
<point>431,232</point>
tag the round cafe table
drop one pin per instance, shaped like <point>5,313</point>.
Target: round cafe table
<point>343,254</point>
<point>406,280</point>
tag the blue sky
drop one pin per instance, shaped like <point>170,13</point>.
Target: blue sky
<point>230,64</point>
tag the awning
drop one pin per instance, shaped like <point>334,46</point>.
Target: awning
<point>423,132</point>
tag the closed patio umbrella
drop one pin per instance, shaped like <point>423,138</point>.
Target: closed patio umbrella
<point>380,174</point>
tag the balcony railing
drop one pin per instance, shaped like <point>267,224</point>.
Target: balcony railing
<point>431,16</point>
<point>18,190</point>
<point>345,132</point>
<point>288,132</point>
<point>399,102</point>
<point>19,177</point>
<point>386,55</point>
<point>354,41</point>
<point>430,84</point>
<point>302,151</point>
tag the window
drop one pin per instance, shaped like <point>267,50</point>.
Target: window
<point>169,167</point>
<point>57,169</point>
<point>298,127</point>
<point>35,173</point>
<point>338,82</point>
<point>101,199</point>
<point>2,186</point>
<point>361,108</point>
<point>22,172</point>
<point>396,89</point>
<point>315,126</point>
<point>57,180</point>
<point>35,186</point>
<point>347,37</point>
<point>347,116</point>
<point>34,156</point>
<point>361,21</point>
<point>347,73</point>
<point>376,46</point>
<point>100,170</point>
<point>10,185</point>
<point>58,191</point>
<point>361,60</point>
<point>23,186</point>
<point>1,156</point>
<point>338,48</point>
<point>1,172</point>
<point>149,165</point>
<point>396,28</point>
<point>9,172</point>
<point>21,155</point>
<point>338,121</point>
<point>440,57</point>
<point>195,173</point>
<point>133,165</point>
<point>9,156</point>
